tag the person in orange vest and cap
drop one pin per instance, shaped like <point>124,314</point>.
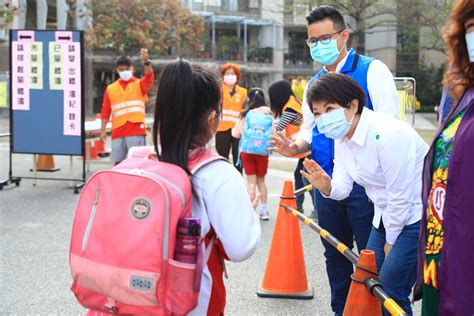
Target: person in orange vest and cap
<point>233,99</point>
<point>124,103</point>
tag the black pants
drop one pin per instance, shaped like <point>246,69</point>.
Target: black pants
<point>299,183</point>
<point>224,141</point>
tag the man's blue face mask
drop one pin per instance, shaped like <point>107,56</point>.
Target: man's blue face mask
<point>325,53</point>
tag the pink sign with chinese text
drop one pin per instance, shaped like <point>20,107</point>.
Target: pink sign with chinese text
<point>72,89</point>
<point>21,73</point>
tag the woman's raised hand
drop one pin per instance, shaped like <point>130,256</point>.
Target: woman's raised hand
<point>281,144</point>
<point>317,176</point>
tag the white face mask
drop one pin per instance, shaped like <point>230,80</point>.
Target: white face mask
<point>470,45</point>
<point>126,75</point>
<point>230,79</point>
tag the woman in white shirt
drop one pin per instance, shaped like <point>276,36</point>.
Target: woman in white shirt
<point>385,156</point>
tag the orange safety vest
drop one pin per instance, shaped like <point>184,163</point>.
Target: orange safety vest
<point>231,107</point>
<point>126,105</point>
<point>291,130</point>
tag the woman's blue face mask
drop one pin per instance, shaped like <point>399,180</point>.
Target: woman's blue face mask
<point>334,124</point>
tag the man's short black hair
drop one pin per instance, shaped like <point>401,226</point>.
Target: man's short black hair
<point>327,12</point>
<point>336,88</point>
<point>123,61</point>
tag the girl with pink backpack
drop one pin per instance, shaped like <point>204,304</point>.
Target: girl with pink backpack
<point>187,114</point>
<point>151,235</point>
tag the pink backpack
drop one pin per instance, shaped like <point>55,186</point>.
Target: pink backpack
<point>123,238</point>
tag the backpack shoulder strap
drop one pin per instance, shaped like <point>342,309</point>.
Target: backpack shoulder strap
<point>201,157</point>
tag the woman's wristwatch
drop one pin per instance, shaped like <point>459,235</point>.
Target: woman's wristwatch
<point>147,63</point>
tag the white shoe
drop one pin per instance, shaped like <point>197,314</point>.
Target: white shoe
<point>264,215</point>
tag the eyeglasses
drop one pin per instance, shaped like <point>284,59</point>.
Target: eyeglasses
<point>325,39</point>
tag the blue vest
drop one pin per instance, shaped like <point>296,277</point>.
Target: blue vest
<point>356,66</point>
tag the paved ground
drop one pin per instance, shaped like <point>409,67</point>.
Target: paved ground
<point>35,224</point>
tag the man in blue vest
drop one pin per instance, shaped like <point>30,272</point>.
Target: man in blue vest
<point>351,218</point>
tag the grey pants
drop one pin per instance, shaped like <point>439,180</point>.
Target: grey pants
<point>121,146</point>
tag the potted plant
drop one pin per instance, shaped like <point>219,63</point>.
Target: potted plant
<point>8,12</point>
<point>228,47</point>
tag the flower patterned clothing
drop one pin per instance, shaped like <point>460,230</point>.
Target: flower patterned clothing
<point>434,243</point>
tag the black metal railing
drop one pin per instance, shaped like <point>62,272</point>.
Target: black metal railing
<point>229,53</point>
<point>260,55</point>
<point>298,57</point>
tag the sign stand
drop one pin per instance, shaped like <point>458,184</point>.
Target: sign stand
<point>11,179</point>
<point>47,98</point>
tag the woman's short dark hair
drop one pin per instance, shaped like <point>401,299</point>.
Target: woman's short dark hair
<point>255,99</point>
<point>326,12</point>
<point>186,96</point>
<point>336,88</point>
<point>279,93</point>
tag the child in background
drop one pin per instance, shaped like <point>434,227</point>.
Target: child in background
<point>288,112</point>
<point>186,117</point>
<point>254,145</point>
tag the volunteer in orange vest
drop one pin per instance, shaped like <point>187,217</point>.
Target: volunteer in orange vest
<point>234,97</point>
<point>289,114</point>
<point>124,103</point>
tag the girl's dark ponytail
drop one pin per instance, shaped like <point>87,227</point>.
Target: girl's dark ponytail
<point>255,99</point>
<point>185,95</point>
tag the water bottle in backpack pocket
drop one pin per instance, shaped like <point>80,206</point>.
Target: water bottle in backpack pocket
<point>256,133</point>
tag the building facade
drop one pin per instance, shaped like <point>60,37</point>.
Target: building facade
<point>279,28</point>
<point>265,37</point>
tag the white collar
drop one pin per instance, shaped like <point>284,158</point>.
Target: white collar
<point>360,134</point>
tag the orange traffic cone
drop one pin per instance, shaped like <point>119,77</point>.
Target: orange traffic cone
<point>99,144</point>
<point>100,148</point>
<point>285,273</point>
<point>360,301</point>
<point>91,150</point>
<point>45,163</point>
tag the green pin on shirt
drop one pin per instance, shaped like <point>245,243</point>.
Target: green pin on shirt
<point>377,136</point>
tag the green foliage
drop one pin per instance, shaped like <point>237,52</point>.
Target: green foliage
<point>420,24</point>
<point>257,54</point>
<point>428,85</point>
<point>226,42</point>
<point>229,47</point>
<point>128,25</point>
<point>8,11</point>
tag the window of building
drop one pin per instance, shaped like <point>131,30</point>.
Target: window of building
<point>39,14</point>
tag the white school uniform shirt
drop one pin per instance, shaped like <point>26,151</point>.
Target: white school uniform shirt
<point>382,91</point>
<point>385,156</point>
<point>221,200</point>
